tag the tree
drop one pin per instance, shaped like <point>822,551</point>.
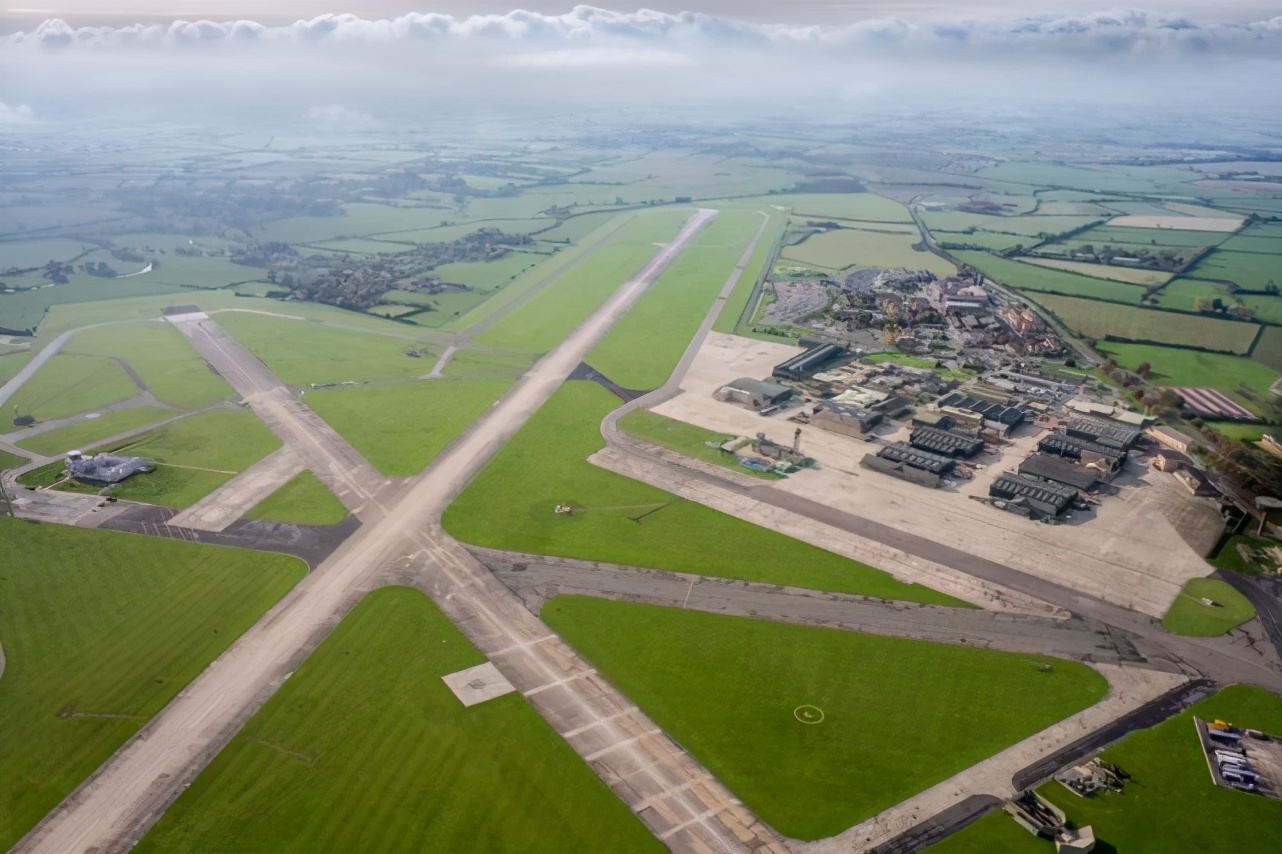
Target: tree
<point>1143,369</point>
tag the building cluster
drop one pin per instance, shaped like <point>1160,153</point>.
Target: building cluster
<point>976,320</point>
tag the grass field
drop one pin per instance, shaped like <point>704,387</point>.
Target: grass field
<point>865,206</point>
<point>303,499</point>
<point>540,324</point>
<point>10,461</point>
<point>1268,349</point>
<point>1188,616</point>
<point>986,239</point>
<point>11,363</point>
<point>99,631</point>
<point>1173,366</point>
<point>995,832</point>
<point>1184,293</point>
<point>841,248</point>
<point>1128,275</point>
<point>898,715</point>
<point>168,365</point>
<point>93,430</point>
<point>641,350</point>
<point>734,307</point>
<point>489,276</point>
<point>1098,320</point>
<point>302,353</point>
<point>1153,238</point>
<point>1250,270</point>
<point>1027,226</point>
<point>399,427</point>
<point>36,253</point>
<point>510,506</point>
<point>689,439</point>
<point>1030,277</point>
<point>69,384</point>
<point>1171,790</point>
<point>195,456</point>
<point>365,748</point>
<point>26,308</point>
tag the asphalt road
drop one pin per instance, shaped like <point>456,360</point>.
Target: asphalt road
<point>681,802</point>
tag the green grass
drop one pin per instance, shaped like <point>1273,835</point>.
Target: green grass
<point>1188,616</point>
<point>400,427</point>
<point>1268,348</point>
<point>11,363</point>
<point>899,715</point>
<point>26,309</point>
<point>1100,320</point>
<point>10,461</point>
<point>1184,293</point>
<point>489,276</point>
<point>1027,227</point>
<point>196,455</point>
<point>544,321</point>
<point>995,832</point>
<point>100,630</point>
<point>1251,270</point>
<point>302,353</point>
<point>641,350</point>
<point>69,384</point>
<point>1030,277</point>
<point>1173,366</point>
<point>365,748</point>
<point>689,439</point>
<point>302,499</point>
<point>865,206</point>
<point>93,430</point>
<point>986,239</point>
<point>510,506</point>
<point>168,365</point>
<point>841,248</point>
<point>1228,558</point>
<point>734,307</point>
<point>1171,796</point>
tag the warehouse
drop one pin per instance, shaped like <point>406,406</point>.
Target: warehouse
<point>1037,499</point>
<point>899,452</point>
<point>804,364</point>
<point>754,394</point>
<point>945,442</point>
<point>1060,470</point>
<point>1108,433</point>
<point>1088,453</point>
<point>1000,412</point>
<point>912,474</point>
<point>846,418</point>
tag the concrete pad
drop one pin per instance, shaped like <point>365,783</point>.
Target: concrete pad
<point>1127,551</point>
<point>229,502</point>
<point>478,684</point>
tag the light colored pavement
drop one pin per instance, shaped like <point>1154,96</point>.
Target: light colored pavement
<point>1129,689</point>
<point>229,502</point>
<point>537,578</point>
<point>438,370</point>
<point>678,799</point>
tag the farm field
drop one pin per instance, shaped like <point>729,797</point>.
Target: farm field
<point>196,455</point>
<point>1170,787</point>
<point>359,220</point>
<point>686,670</point>
<point>510,506</point>
<point>69,384</point>
<point>576,228</point>
<point>1249,270</point>
<point>840,249</point>
<point>440,233</point>
<point>303,499</point>
<point>369,706</point>
<point>1174,366</point>
<point>100,630</point>
<point>1029,226</point>
<point>162,357</point>
<point>302,353</point>
<point>553,312</point>
<point>987,239</point>
<point>93,430</point>
<point>1180,223</point>
<point>489,276</point>
<point>641,350</point>
<point>1188,616</point>
<point>1128,275</point>
<point>1096,320</point>
<point>194,272</point>
<point>25,254</point>
<point>24,310</point>
<point>1184,294</point>
<point>689,439</point>
<point>862,206</point>
<point>1029,277</point>
<point>1113,235</point>
<point>400,426</point>
<point>1268,349</point>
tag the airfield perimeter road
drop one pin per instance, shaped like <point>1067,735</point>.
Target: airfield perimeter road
<point>679,800</point>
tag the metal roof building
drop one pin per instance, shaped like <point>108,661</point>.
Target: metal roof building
<point>1060,470</point>
<point>991,410</point>
<point>105,468</point>
<point>756,394</point>
<point>845,418</point>
<point>945,442</point>
<point>804,364</point>
<point>1109,433</point>
<point>1039,497</point>
<point>899,452</point>
<point>1081,449</point>
<point>912,474</point>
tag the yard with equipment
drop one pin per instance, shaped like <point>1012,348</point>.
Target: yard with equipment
<point>512,505</point>
<point>816,729</point>
<point>99,631</point>
<point>365,748</point>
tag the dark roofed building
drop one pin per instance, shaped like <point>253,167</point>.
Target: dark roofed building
<point>1060,470</point>
<point>991,410</point>
<point>1113,434</point>
<point>893,406</point>
<point>105,468</point>
<point>945,442</point>
<point>1089,453</point>
<point>1040,498</point>
<point>903,471</point>
<point>754,394</point>
<point>804,364</point>
<point>899,452</point>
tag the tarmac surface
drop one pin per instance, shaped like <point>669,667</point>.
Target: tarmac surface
<point>679,800</point>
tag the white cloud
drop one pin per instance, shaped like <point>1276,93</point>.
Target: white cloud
<point>591,57</point>
<point>336,117</point>
<point>18,114</point>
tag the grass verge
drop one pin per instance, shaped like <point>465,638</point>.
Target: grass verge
<point>302,499</point>
<point>689,439</point>
<point>897,715</point>
<point>1188,616</point>
<point>100,630</point>
<point>366,749</point>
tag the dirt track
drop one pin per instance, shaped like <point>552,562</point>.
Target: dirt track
<point>678,799</point>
